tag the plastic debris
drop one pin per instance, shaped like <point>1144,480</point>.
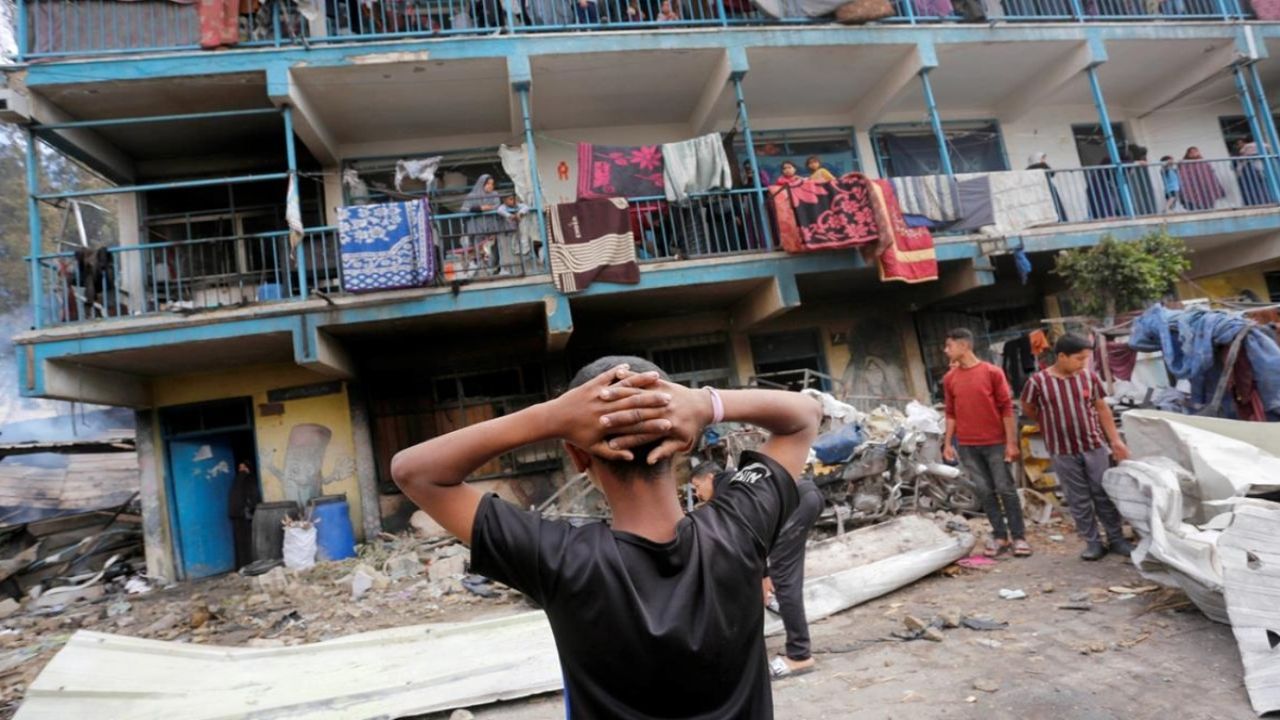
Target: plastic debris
<point>1008,594</point>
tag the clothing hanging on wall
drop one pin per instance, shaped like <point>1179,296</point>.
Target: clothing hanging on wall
<point>591,241</point>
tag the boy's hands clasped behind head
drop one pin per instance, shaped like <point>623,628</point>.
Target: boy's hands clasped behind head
<point>632,408</point>
<point>620,410</point>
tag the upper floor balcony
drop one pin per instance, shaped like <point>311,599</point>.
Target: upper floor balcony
<point>48,30</point>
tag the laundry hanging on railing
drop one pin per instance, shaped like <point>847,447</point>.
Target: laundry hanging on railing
<point>907,254</point>
<point>1020,199</point>
<point>930,196</point>
<point>695,166</point>
<point>422,170</point>
<point>515,163</point>
<point>853,211</point>
<point>293,211</point>
<point>386,246</point>
<point>606,171</point>
<point>591,241</point>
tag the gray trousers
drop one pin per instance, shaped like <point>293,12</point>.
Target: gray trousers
<point>1081,479</point>
<point>786,569</point>
<point>990,475</point>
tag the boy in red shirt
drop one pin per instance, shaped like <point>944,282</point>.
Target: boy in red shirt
<point>980,419</point>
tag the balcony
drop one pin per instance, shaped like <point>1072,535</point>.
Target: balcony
<point>188,277</point>
<point>54,29</point>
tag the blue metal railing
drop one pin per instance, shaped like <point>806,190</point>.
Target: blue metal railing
<point>76,28</point>
<point>708,225</point>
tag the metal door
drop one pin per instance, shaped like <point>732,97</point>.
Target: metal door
<point>201,471</point>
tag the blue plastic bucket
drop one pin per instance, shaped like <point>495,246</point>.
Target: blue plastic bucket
<point>335,540</point>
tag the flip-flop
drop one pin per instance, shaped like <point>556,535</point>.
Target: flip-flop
<point>778,668</point>
<point>1021,548</point>
<point>995,549</point>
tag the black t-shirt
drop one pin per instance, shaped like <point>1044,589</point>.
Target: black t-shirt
<point>646,629</point>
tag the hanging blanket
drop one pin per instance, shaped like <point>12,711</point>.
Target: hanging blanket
<point>1020,199</point>
<point>386,246</point>
<point>606,171</point>
<point>907,254</point>
<point>825,216</point>
<point>591,240</point>
<point>691,167</point>
<point>931,196</point>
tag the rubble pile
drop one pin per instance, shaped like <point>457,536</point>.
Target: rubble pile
<point>394,581</point>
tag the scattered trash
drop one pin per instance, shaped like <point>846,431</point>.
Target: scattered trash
<point>164,624</point>
<point>987,686</point>
<point>1081,607</point>
<point>137,586</point>
<point>976,562</point>
<point>984,642</point>
<point>1008,594</point>
<point>934,634</point>
<point>1057,538</point>
<point>983,624</point>
<point>403,565</point>
<point>259,567</point>
<point>199,616</point>
<point>445,568</point>
<point>479,585</point>
<point>1122,590</point>
<point>1047,588</point>
<point>952,619</point>
<point>274,581</point>
<point>914,623</point>
<point>364,578</point>
<point>118,608</point>
<point>971,699</point>
<point>299,544</point>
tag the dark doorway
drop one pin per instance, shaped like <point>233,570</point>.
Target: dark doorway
<point>791,360</point>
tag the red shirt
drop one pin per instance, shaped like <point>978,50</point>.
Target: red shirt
<point>1068,416</point>
<point>978,399</point>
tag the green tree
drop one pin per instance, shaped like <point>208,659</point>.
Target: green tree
<point>1115,276</point>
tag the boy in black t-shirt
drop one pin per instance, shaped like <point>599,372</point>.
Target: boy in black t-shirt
<point>659,613</point>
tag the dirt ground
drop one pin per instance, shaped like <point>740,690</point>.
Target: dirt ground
<point>1121,660</point>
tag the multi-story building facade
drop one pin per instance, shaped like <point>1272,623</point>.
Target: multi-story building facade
<point>229,339</point>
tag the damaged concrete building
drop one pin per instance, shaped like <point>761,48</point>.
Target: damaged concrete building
<point>208,281</point>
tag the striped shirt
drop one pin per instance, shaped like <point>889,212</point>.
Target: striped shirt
<point>1068,417</point>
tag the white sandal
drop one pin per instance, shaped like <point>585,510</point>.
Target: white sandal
<point>779,668</point>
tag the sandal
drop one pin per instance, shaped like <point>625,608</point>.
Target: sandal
<point>995,548</point>
<point>779,667</point>
<point>1021,548</point>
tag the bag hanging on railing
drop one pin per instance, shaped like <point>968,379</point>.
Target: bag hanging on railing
<point>863,11</point>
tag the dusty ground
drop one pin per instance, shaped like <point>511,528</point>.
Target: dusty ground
<point>1119,660</point>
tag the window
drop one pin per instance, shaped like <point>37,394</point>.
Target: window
<point>836,147</point>
<point>1273,285</point>
<point>910,150</point>
<point>695,361</point>
<point>1236,128</point>
<point>1091,144</point>
<point>457,173</point>
<point>791,360</point>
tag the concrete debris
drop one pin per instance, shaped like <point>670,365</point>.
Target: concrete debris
<point>137,586</point>
<point>987,643</point>
<point>985,685</point>
<point>1008,594</point>
<point>1122,590</point>
<point>461,714</point>
<point>403,565</point>
<point>8,606</point>
<point>364,578</point>
<point>199,616</point>
<point>447,567</point>
<point>274,581</point>
<point>934,634</point>
<point>164,624</point>
<point>983,624</point>
<point>952,619</point>
<point>1078,597</point>
<point>914,623</point>
<point>422,523</point>
<point>118,608</point>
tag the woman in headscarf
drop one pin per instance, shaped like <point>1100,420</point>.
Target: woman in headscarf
<point>1040,161</point>
<point>482,231</point>
<point>1200,186</point>
<point>1249,175</point>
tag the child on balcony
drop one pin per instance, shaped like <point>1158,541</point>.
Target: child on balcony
<point>817,173</point>
<point>515,242</point>
<point>1172,183</point>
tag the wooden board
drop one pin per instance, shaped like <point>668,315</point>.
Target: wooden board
<point>84,482</point>
<point>382,674</point>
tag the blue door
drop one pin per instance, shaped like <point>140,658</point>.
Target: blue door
<point>202,471</point>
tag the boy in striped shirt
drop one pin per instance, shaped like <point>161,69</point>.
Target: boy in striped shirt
<point>1068,402</point>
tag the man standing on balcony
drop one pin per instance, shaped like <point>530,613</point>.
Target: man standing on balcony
<point>1068,401</point>
<point>979,408</point>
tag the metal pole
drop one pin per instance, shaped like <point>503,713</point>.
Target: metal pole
<point>203,182</point>
<point>291,158</point>
<point>755,166</point>
<point>936,122</point>
<point>1113,151</point>
<point>154,119</point>
<point>21,30</point>
<point>1267,120</point>
<point>523,92</point>
<point>35,230</point>
<point>1255,128</point>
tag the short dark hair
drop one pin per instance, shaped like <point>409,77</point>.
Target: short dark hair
<point>1070,345</point>
<point>639,464</point>
<point>964,334</point>
<point>707,467</point>
<point>786,163</point>
<point>813,158</point>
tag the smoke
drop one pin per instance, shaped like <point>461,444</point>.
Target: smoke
<point>30,420</point>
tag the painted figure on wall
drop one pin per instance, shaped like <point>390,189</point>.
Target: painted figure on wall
<point>303,474</point>
<point>877,363</point>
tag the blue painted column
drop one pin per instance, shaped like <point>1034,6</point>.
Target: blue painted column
<point>1113,151</point>
<point>20,30</point>
<point>1255,127</point>
<point>291,158</point>
<point>943,155</point>
<point>761,213</point>
<point>522,89</point>
<point>1267,120</point>
<point>34,229</point>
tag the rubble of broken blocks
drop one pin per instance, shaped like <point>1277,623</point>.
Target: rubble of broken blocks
<point>395,580</point>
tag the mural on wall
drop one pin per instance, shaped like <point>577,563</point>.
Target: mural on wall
<point>303,473</point>
<point>877,363</point>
